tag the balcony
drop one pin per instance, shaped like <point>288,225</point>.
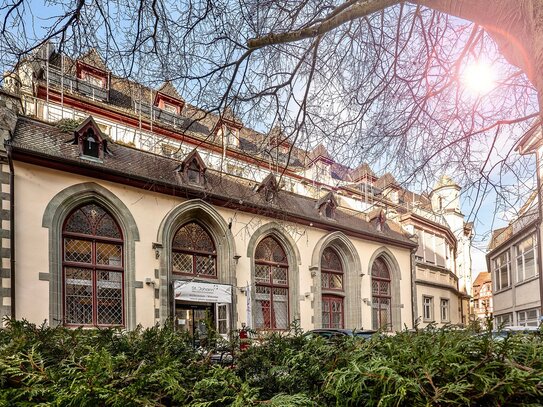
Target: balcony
<point>73,84</point>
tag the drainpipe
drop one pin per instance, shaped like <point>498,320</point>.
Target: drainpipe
<point>413,290</point>
<point>538,233</point>
<point>12,227</point>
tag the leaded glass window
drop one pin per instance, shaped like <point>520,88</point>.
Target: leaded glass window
<point>193,251</point>
<point>331,279</point>
<point>272,291</point>
<point>93,268</point>
<point>381,295</point>
<point>331,270</point>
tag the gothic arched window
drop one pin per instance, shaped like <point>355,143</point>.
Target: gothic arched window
<point>93,268</point>
<point>271,280</point>
<point>331,279</point>
<point>193,251</point>
<point>381,295</point>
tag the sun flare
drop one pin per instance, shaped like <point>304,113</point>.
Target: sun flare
<point>479,77</point>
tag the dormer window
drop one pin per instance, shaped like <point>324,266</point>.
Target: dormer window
<point>92,75</point>
<point>268,188</point>
<point>193,168</point>
<point>327,205</point>
<point>329,210</point>
<point>168,99</point>
<point>170,108</point>
<point>228,128</point>
<point>231,136</point>
<point>92,143</point>
<point>193,173</point>
<point>93,79</point>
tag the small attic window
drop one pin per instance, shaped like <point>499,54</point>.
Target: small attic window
<point>193,169</point>
<point>269,188</point>
<point>194,173</point>
<point>91,141</point>
<point>230,135</point>
<point>90,144</point>
<point>327,206</point>
<point>94,80</point>
<point>329,210</point>
<point>168,106</point>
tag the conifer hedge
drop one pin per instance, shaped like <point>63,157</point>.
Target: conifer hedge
<point>40,365</point>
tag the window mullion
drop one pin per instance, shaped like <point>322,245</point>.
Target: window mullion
<point>94,285</point>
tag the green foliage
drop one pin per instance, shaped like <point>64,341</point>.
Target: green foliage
<point>40,365</point>
<point>68,125</point>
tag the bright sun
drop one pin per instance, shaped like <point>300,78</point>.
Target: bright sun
<point>479,77</point>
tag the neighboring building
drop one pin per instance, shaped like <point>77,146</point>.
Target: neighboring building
<point>512,257</point>
<point>124,205</point>
<point>482,296</point>
<point>440,290</point>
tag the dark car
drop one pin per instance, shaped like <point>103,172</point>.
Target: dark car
<point>330,333</point>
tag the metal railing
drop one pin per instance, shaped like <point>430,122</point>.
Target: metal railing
<point>56,77</point>
<point>155,113</point>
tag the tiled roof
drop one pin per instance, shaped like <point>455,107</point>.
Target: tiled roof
<point>125,94</point>
<point>483,277</point>
<point>386,181</point>
<point>168,89</point>
<point>43,140</point>
<point>318,152</point>
<point>361,171</point>
<point>93,58</point>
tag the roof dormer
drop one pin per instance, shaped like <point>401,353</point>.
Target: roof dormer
<point>91,141</point>
<point>228,128</point>
<point>390,187</point>
<point>378,219</point>
<point>269,188</point>
<point>278,139</point>
<point>93,70</point>
<point>327,205</point>
<point>193,168</point>
<point>168,99</point>
<point>321,163</point>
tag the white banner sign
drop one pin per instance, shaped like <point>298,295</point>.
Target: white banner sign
<point>202,292</point>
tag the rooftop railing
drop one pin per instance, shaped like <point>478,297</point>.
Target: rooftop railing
<point>56,77</point>
<point>155,113</point>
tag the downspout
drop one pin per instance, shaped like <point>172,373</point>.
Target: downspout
<point>413,290</point>
<point>538,233</point>
<point>12,227</point>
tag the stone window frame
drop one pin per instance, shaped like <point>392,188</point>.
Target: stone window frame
<point>352,270</point>
<point>216,226</point>
<point>290,247</point>
<point>445,304</point>
<point>58,208</point>
<point>430,305</point>
<point>395,280</point>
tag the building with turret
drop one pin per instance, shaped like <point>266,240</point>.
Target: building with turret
<point>126,205</point>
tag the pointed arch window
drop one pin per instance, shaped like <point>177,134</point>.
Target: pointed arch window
<point>93,268</point>
<point>193,251</point>
<point>272,289</point>
<point>381,295</point>
<point>331,279</point>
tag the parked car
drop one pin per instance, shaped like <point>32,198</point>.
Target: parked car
<point>506,331</point>
<point>329,333</point>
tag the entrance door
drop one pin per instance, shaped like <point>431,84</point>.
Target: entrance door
<point>194,319</point>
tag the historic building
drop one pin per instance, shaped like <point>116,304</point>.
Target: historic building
<point>125,205</point>
<point>513,258</point>
<point>482,297</point>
